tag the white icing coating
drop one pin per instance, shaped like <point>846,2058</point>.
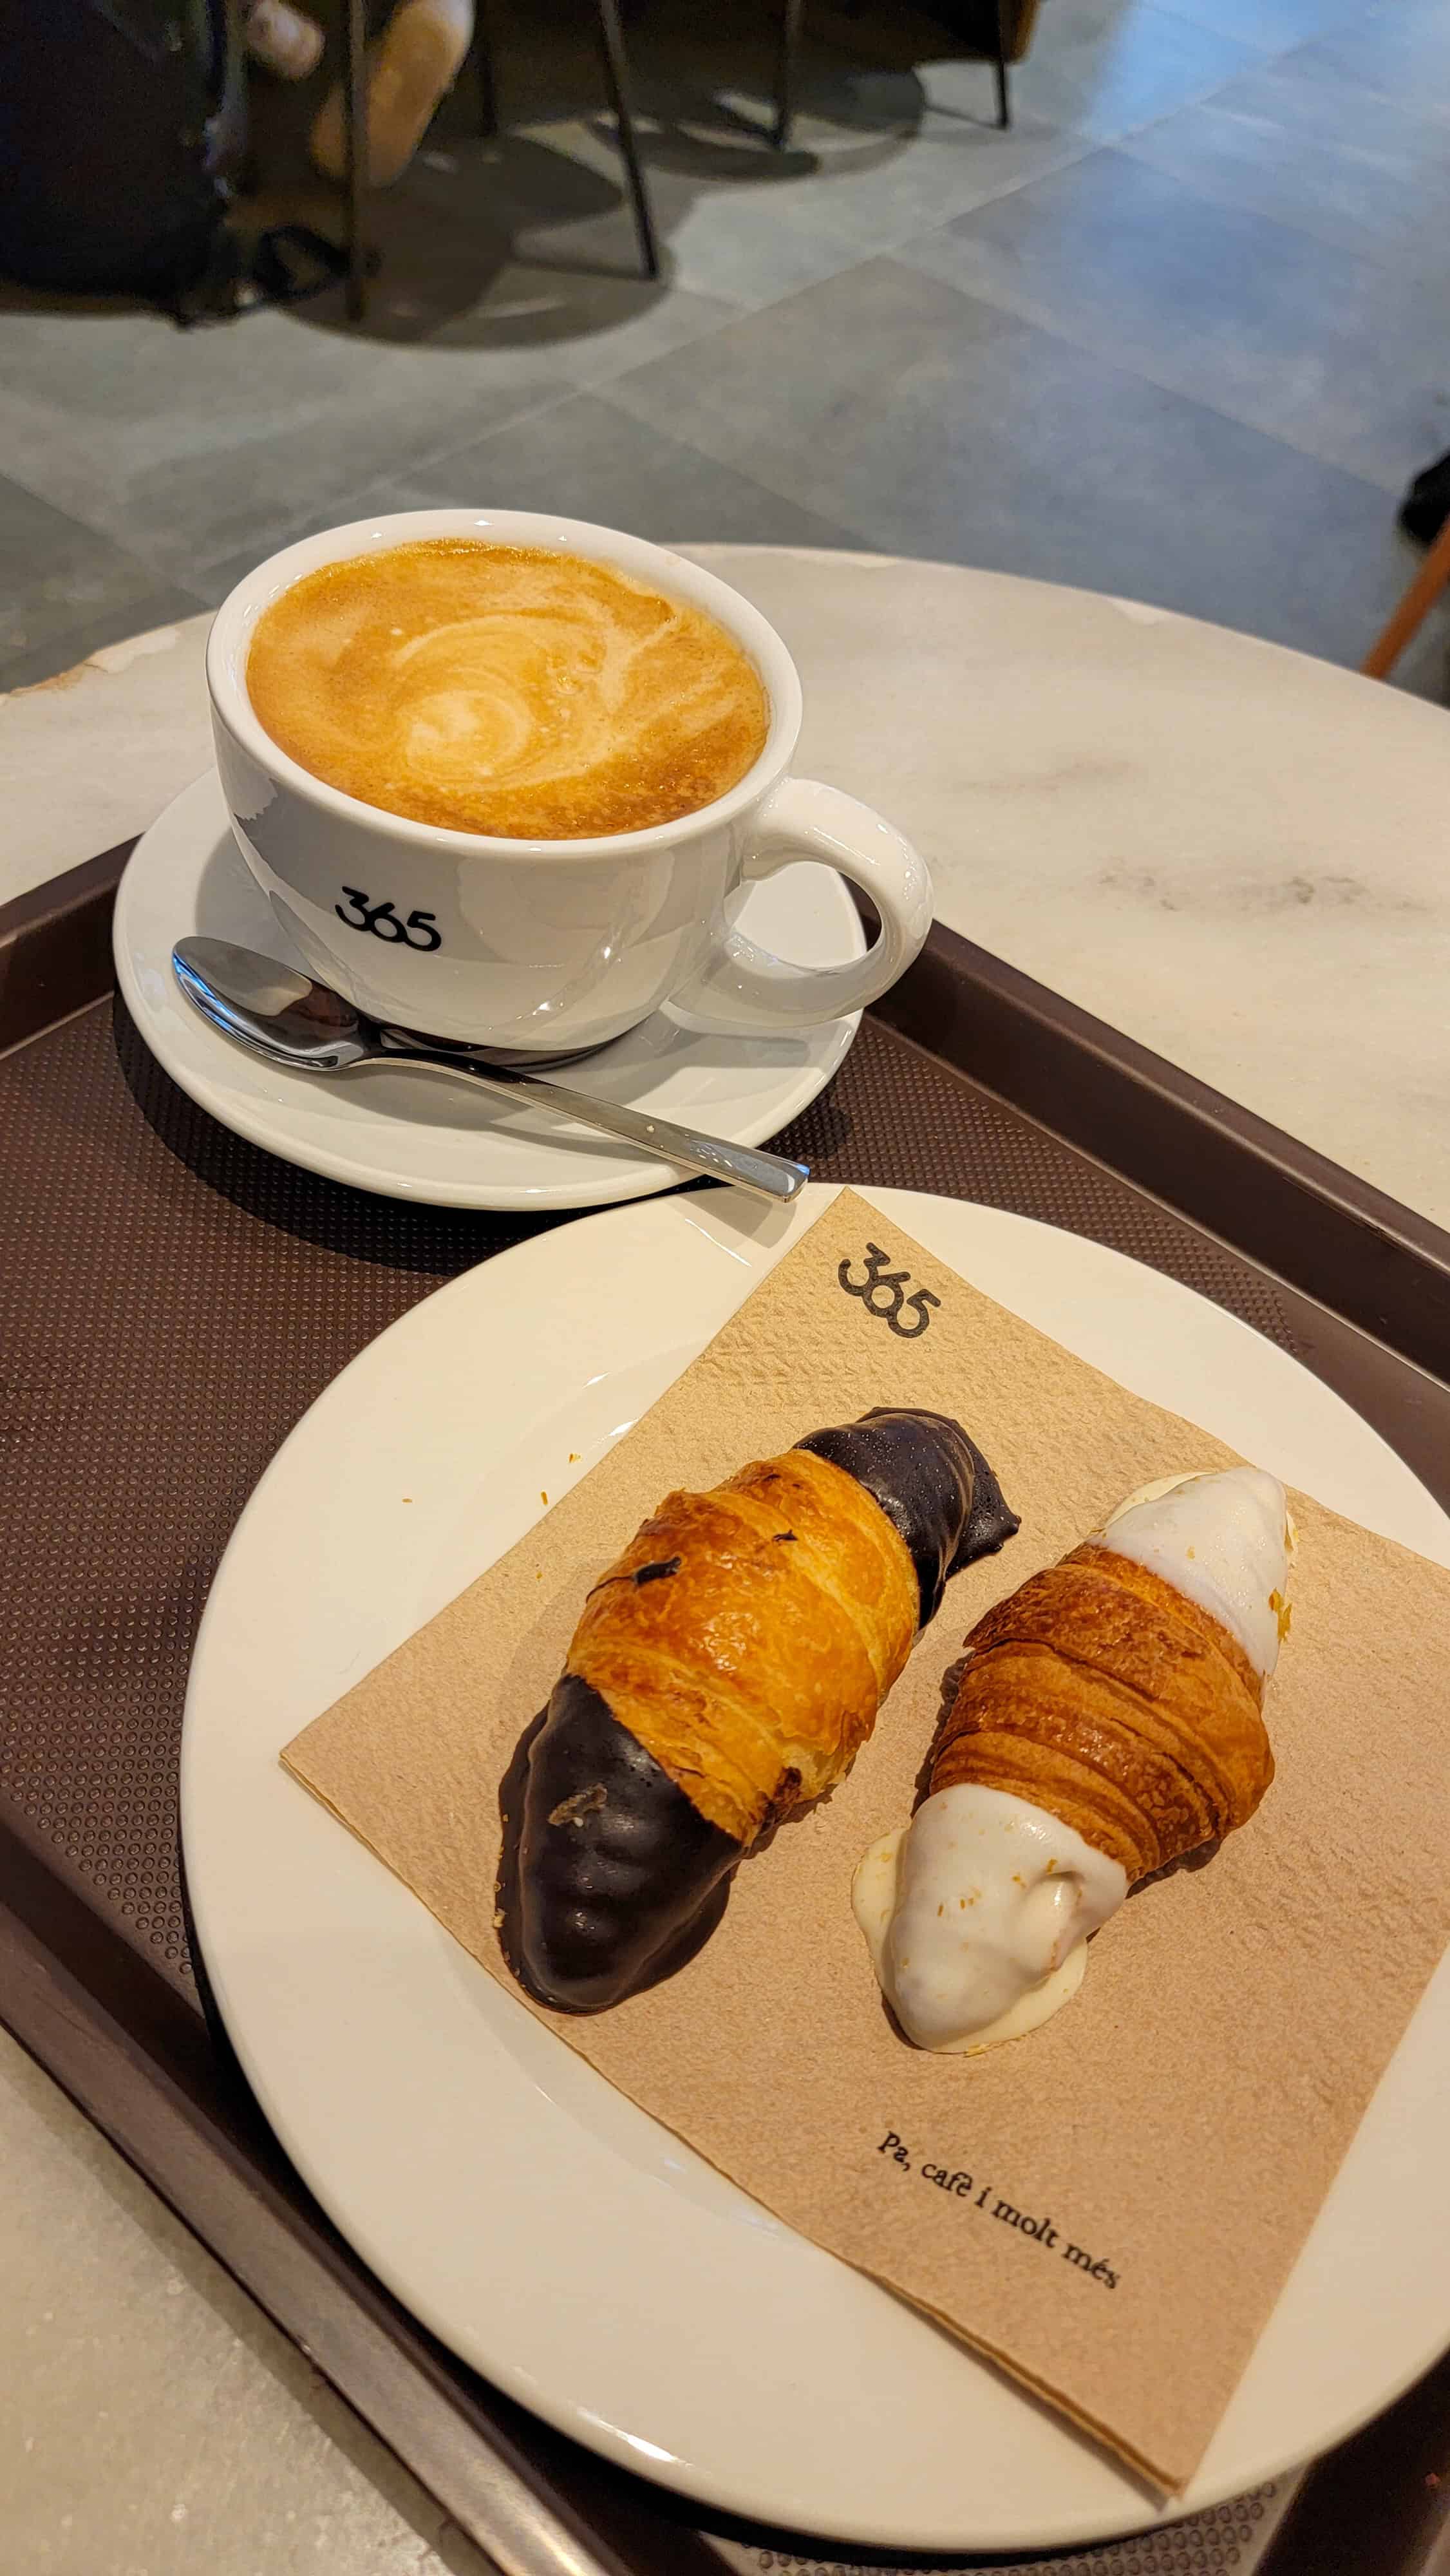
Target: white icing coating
<point>873,1901</point>
<point>1222,1540</point>
<point>978,1932</point>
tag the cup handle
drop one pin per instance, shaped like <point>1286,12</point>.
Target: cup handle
<point>741,990</point>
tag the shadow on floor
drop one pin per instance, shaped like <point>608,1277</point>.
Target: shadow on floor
<point>516,240</point>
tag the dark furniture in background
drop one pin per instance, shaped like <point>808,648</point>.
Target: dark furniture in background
<point>1000,29</point>
<point>614,63</point>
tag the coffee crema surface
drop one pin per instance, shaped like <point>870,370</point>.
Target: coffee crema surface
<point>505,690</point>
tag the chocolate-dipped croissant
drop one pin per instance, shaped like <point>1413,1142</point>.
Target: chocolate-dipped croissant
<point>729,1665</point>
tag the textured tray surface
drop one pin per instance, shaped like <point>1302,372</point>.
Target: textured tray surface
<point>172,1299</point>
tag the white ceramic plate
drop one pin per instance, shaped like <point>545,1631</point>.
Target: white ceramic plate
<point>546,2228</point>
<point>423,1135</point>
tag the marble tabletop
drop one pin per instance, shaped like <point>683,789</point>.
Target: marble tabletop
<point>1228,850</point>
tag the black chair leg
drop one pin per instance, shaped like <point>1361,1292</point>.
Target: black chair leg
<point>787,52</point>
<point>484,65</point>
<point>616,75</point>
<point>1004,104</point>
<point>355,113</point>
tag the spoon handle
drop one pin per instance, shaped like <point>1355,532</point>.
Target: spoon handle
<point>748,1167</point>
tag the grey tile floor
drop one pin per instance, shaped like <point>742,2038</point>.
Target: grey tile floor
<point>1185,332</point>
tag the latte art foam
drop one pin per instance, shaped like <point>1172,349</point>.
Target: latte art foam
<point>505,690</point>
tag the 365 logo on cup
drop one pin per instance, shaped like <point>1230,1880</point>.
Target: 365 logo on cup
<point>383,922</point>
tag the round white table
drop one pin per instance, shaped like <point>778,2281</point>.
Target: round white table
<point>1231,852</point>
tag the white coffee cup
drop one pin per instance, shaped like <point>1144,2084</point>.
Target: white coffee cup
<point>546,947</point>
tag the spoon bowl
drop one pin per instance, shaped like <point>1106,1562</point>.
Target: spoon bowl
<point>275,1009</point>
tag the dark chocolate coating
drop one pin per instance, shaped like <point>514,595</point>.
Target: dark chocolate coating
<point>933,1484</point>
<point>607,1864</point>
<point>610,1875</point>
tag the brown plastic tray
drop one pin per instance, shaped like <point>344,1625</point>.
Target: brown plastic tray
<point>172,1299</point>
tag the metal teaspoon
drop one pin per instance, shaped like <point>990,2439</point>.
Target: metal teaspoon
<point>280,1013</point>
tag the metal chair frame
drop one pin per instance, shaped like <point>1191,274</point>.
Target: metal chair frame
<point>614,63</point>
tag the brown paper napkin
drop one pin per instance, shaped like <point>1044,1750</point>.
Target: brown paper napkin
<point>1179,2123</point>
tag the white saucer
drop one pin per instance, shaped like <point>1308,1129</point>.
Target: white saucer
<point>421,1135</point>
